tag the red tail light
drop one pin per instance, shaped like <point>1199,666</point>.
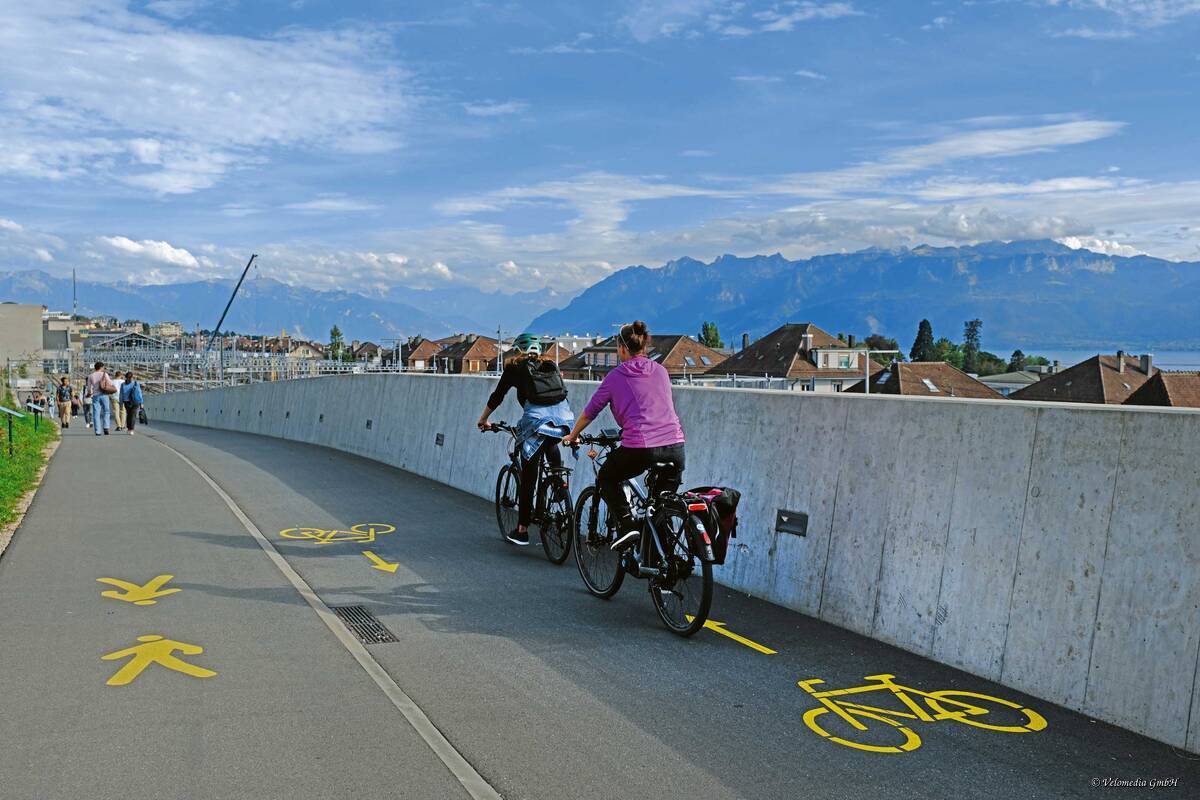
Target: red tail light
<point>697,506</point>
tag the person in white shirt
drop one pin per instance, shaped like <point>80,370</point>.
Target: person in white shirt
<point>118,408</point>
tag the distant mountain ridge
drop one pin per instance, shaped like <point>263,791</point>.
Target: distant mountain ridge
<point>1036,293</point>
<point>265,305</point>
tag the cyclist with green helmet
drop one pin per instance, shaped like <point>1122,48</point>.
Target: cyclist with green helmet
<point>546,419</point>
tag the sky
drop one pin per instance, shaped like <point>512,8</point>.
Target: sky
<point>516,146</point>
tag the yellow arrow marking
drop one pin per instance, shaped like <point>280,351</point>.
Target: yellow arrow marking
<point>138,595</point>
<point>379,563</point>
<point>719,627</point>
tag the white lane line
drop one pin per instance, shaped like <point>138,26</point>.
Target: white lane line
<point>475,784</point>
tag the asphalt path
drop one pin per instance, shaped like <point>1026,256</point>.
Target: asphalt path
<point>544,690</point>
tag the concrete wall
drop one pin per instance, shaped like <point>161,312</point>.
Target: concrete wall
<point>1052,548</point>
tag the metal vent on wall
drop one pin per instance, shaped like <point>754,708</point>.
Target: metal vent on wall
<point>363,625</point>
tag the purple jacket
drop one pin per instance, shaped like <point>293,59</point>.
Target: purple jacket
<point>640,394</point>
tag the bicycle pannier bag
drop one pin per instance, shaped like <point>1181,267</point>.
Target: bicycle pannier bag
<point>547,385</point>
<point>722,511</point>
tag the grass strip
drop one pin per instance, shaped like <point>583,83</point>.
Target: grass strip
<point>18,472</point>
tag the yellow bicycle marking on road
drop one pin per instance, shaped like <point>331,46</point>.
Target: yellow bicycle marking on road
<point>362,532</point>
<point>719,627</point>
<point>145,595</point>
<point>944,704</point>
<point>159,650</point>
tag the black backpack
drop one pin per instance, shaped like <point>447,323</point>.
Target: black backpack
<point>546,385</point>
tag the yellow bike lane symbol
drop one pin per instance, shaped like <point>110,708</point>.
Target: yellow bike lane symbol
<point>362,532</point>
<point>969,708</point>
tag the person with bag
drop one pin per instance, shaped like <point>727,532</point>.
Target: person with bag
<point>543,395</point>
<point>101,388</point>
<point>131,401</point>
<point>639,392</point>
<point>62,394</point>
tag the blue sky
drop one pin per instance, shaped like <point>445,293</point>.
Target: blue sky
<point>516,145</point>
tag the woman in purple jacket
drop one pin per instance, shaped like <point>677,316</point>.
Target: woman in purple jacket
<point>639,392</point>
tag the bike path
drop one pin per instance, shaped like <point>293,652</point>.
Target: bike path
<point>553,693</point>
<point>288,712</point>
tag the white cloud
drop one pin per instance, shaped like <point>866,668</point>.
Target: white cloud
<point>580,45</point>
<point>100,90</point>
<point>9,225</point>
<point>758,78</point>
<point>811,74</point>
<point>1091,33</point>
<point>491,108</point>
<point>796,13</point>
<point>153,250</point>
<point>651,19</point>
<point>1142,13</point>
<point>332,204</point>
<point>937,23</point>
<point>1106,246</point>
<point>43,254</point>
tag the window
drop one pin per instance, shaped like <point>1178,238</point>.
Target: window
<point>883,378</point>
<point>419,364</point>
<point>837,386</point>
<point>929,385</point>
<point>843,362</point>
<point>706,361</point>
<point>691,362</point>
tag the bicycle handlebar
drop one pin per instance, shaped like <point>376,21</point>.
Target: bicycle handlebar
<point>496,427</point>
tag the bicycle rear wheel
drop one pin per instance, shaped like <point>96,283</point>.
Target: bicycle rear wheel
<point>683,595</point>
<point>508,488</point>
<point>599,566</point>
<point>557,525</point>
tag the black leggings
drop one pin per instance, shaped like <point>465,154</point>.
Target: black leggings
<point>131,410</point>
<point>629,462</point>
<point>529,471</point>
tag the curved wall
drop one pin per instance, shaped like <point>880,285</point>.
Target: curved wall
<point>1053,548</point>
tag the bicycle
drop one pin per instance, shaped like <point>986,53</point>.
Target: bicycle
<point>673,551</point>
<point>966,712</point>
<point>552,511</point>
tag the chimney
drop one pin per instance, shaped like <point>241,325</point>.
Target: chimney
<point>808,339</point>
<point>1057,367</point>
<point>1147,363</point>
<point>850,340</point>
<point>472,337</point>
<point>745,341</point>
<point>1120,361</point>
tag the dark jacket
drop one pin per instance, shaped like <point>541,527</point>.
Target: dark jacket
<point>519,375</point>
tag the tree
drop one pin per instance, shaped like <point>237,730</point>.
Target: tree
<point>970,345</point>
<point>1016,362</point>
<point>336,344</point>
<point>877,341</point>
<point>1037,361</point>
<point>710,336</point>
<point>948,351</point>
<point>990,364</point>
<point>923,346</point>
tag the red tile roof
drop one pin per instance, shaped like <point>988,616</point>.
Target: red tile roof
<point>1177,389</point>
<point>928,379</point>
<point>1096,380</point>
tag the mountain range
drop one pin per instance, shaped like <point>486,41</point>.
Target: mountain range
<point>264,305</point>
<point>1029,294</point>
<point>1034,293</point>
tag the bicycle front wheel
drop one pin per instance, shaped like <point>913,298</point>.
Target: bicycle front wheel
<point>682,595</point>
<point>598,565</point>
<point>508,490</point>
<point>557,526</point>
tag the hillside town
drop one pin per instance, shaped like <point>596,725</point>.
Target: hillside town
<point>37,343</point>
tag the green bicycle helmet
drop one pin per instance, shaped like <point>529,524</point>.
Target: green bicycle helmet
<point>528,343</point>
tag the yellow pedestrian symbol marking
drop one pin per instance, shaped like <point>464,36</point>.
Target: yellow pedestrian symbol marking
<point>847,722</point>
<point>379,563</point>
<point>719,627</point>
<point>138,595</point>
<point>362,532</point>
<point>155,650</point>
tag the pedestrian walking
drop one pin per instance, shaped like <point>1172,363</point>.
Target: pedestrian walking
<point>87,405</point>
<point>62,394</point>
<point>131,400</point>
<point>101,388</point>
<point>118,407</point>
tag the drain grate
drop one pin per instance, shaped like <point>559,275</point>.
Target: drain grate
<point>362,623</point>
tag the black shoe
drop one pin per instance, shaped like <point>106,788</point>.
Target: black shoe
<point>106,431</point>
<point>518,537</point>
<point>625,540</point>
